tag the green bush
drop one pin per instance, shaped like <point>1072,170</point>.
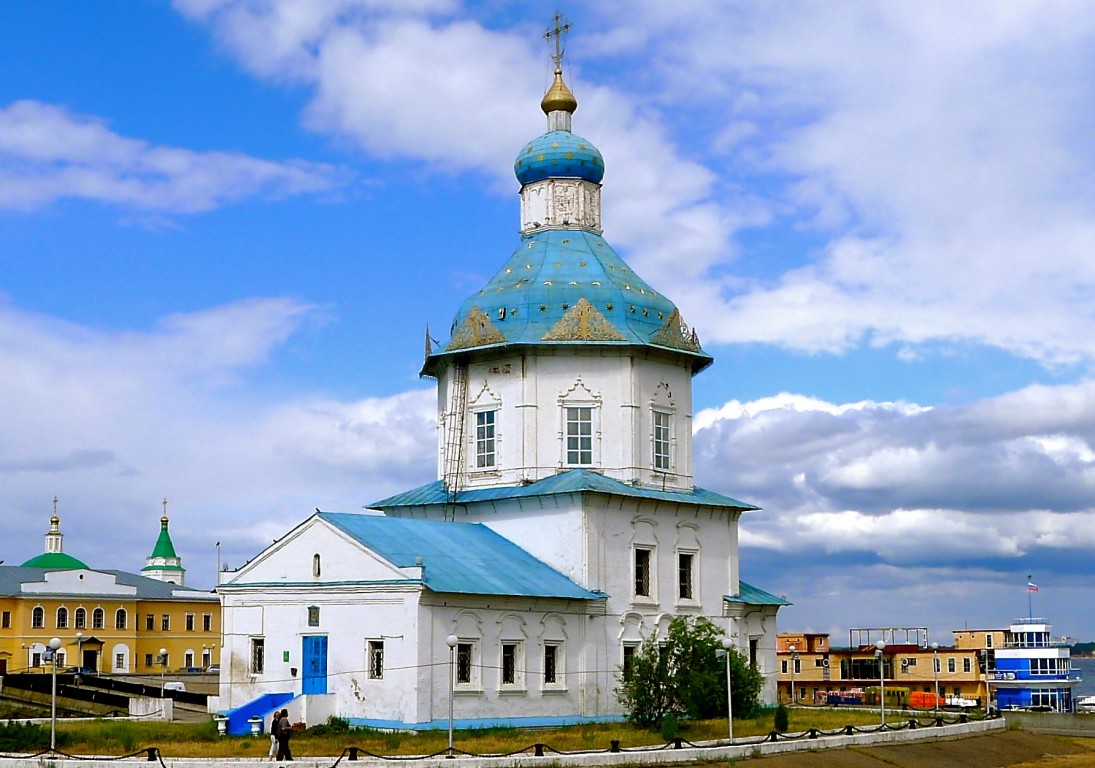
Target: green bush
<point>670,728</point>
<point>683,674</point>
<point>782,719</point>
<point>26,737</point>
<point>334,725</point>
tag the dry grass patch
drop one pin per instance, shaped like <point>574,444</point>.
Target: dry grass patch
<point>202,740</point>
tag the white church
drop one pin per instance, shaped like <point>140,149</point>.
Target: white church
<point>564,530</point>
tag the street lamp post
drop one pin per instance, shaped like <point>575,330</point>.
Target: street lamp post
<point>794,658</point>
<point>935,672</point>
<point>163,668</point>
<point>727,644</point>
<point>54,645</point>
<point>451,641</point>
<point>880,646</point>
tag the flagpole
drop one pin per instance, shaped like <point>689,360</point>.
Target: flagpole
<point>1030,600</point>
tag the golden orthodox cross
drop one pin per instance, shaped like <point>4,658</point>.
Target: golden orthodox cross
<point>561,27</point>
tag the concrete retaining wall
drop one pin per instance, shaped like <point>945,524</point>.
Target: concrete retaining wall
<point>661,757</point>
<point>1060,724</point>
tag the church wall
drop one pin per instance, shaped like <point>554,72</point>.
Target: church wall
<point>349,618</point>
<point>531,625</point>
<point>529,394</point>
<point>292,559</point>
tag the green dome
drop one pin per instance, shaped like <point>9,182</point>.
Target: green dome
<point>55,561</point>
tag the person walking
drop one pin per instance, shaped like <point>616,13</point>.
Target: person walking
<point>284,729</point>
<point>274,733</point>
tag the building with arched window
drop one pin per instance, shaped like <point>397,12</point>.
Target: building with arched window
<point>109,621</point>
<point>564,530</point>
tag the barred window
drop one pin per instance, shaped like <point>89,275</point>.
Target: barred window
<point>258,655</point>
<point>376,659</point>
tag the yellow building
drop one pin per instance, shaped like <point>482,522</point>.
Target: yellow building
<point>818,670</point>
<point>108,621</point>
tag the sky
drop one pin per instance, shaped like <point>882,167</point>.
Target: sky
<point>226,224</point>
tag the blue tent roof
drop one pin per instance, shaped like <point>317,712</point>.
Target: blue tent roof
<point>750,595</point>
<point>572,481</point>
<point>464,558</point>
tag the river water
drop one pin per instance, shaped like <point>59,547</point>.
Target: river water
<point>1087,686</point>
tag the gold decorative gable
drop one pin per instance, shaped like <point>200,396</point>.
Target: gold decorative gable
<point>583,323</point>
<point>476,331</point>
<point>676,334</point>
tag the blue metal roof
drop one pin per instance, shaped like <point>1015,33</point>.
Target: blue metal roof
<point>545,278</point>
<point>572,481</point>
<point>12,577</point>
<point>750,595</point>
<point>559,154</point>
<point>462,558</point>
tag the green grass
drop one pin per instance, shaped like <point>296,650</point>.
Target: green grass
<point>115,738</point>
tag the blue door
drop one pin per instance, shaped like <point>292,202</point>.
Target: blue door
<point>315,664</point>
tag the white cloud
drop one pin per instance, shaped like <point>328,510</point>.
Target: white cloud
<point>940,151</point>
<point>1005,478</point>
<point>113,422</point>
<point>49,154</point>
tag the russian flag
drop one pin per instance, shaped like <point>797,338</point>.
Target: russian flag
<point>1032,587</point>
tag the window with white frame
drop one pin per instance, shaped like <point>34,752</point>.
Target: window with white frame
<point>375,653</point>
<point>207,622</point>
<point>662,423</point>
<point>119,661</point>
<point>258,655</point>
<point>466,669</point>
<point>951,666</point>
<point>553,665</point>
<point>579,435</point>
<point>967,664</point>
<point>485,426</point>
<point>686,563</point>
<point>62,618</point>
<point>98,618</point>
<point>988,640</point>
<point>80,618</point>
<point>121,619</point>
<point>188,660</point>
<point>37,619</point>
<point>630,650</point>
<point>189,622</point>
<point>512,674</point>
<point>644,558</point>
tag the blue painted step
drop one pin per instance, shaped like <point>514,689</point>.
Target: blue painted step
<point>263,706</point>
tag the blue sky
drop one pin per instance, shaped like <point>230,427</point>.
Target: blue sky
<point>225,224</point>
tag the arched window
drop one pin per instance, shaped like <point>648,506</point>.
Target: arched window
<point>120,619</point>
<point>62,618</point>
<point>97,617</point>
<point>38,617</point>
<point>81,618</point>
<point>315,565</point>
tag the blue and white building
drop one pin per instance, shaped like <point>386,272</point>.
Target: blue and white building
<point>1032,669</point>
<point>565,526</point>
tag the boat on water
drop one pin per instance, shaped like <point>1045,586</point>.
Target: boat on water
<point>1086,704</point>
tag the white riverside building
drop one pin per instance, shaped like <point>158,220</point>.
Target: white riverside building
<point>565,528</point>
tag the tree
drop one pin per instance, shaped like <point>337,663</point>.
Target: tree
<point>683,674</point>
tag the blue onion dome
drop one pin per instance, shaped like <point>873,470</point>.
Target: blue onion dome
<point>559,154</point>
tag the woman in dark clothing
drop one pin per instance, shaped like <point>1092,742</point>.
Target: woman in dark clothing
<point>284,729</point>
